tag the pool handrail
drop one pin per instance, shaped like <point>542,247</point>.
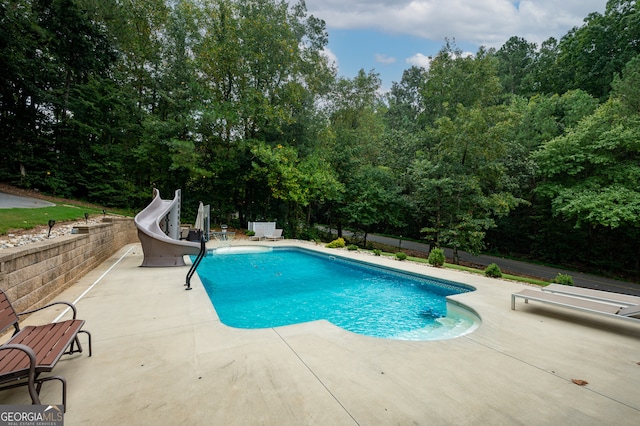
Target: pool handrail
<point>196,263</point>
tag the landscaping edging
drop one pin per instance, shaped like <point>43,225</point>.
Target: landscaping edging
<point>34,274</point>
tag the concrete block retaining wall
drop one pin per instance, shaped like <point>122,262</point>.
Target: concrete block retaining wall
<point>35,274</point>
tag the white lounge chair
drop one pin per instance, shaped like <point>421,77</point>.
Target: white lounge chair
<point>620,311</point>
<point>589,293</point>
<point>257,236</point>
<point>275,235</point>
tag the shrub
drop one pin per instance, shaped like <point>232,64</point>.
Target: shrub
<point>563,279</point>
<point>250,233</point>
<point>308,234</point>
<point>493,271</point>
<point>352,247</point>
<point>436,257</point>
<point>337,243</point>
<point>401,256</point>
<point>377,252</point>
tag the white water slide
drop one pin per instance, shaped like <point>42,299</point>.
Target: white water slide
<point>159,232</point>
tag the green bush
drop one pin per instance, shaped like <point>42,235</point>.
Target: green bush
<point>352,247</point>
<point>308,234</point>
<point>563,279</point>
<point>337,243</point>
<point>436,257</point>
<point>250,233</point>
<point>401,256</point>
<point>493,271</point>
<point>377,252</point>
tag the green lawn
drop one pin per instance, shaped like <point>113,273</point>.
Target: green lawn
<point>14,219</point>
<point>475,271</point>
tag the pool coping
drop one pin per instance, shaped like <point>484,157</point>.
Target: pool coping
<point>162,356</point>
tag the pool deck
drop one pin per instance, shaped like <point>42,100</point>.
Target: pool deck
<point>161,356</point>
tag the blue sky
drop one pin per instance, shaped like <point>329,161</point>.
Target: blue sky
<point>386,54</point>
<point>388,36</point>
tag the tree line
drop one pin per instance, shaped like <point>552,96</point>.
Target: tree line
<point>527,150</point>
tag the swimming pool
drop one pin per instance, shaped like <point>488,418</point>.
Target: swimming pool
<point>260,287</point>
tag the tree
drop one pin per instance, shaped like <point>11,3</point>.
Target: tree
<point>55,54</point>
<point>515,62</point>
<point>590,179</point>
<point>592,174</point>
<point>299,182</point>
<point>454,79</point>
<point>405,101</point>
<point>627,87</point>
<point>22,88</point>
<point>598,50</point>
<point>547,77</point>
<point>374,200</point>
<point>546,117</point>
<point>356,117</point>
<point>461,186</point>
<point>261,69</point>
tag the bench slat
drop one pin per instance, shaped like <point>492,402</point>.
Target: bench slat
<point>8,315</point>
<point>14,361</point>
<point>49,341</point>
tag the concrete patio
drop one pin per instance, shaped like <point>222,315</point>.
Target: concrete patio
<point>162,357</point>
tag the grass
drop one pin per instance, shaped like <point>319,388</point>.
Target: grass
<point>65,210</point>
<point>14,219</point>
<point>475,271</point>
<point>522,279</point>
<point>505,276</point>
<point>387,251</point>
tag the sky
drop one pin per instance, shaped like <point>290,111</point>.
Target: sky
<point>389,36</point>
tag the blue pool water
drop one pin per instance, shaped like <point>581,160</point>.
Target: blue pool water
<point>284,286</point>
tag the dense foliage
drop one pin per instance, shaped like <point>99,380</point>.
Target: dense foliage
<point>526,150</point>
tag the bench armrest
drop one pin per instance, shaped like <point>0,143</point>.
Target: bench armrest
<point>24,348</point>
<point>31,378</point>
<point>70,305</point>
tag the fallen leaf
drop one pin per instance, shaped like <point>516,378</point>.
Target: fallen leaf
<point>580,382</point>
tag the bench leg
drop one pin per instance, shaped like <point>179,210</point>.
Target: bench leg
<point>64,388</point>
<point>513,301</point>
<point>75,345</point>
<point>31,386</point>
<point>88,338</point>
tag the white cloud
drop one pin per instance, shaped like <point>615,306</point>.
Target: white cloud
<point>424,61</point>
<point>331,57</point>
<point>419,60</point>
<point>483,22</point>
<point>384,59</point>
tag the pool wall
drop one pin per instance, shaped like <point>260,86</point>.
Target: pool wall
<point>455,286</point>
<point>241,250</point>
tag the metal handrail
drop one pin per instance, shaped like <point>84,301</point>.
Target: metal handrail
<point>194,266</point>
